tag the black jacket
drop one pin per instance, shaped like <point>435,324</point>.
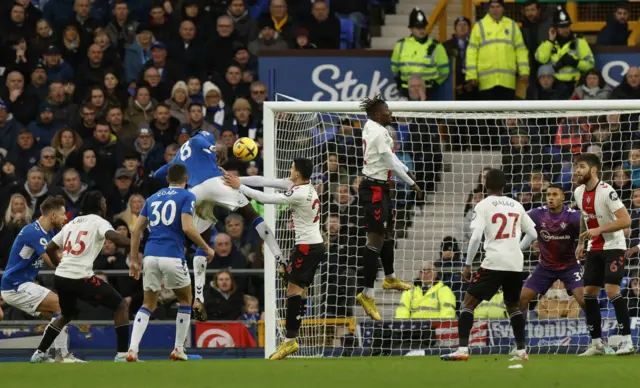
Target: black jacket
<point>614,33</point>
<point>220,307</point>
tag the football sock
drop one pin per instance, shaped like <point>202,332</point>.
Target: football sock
<point>122,338</point>
<point>592,311</point>
<point>622,314</point>
<point>370,262</point>
<point>387,256</point>
<point>199,268</point>
<point>465,323</point>
<point>183,320</point>
<point>50,334</point>
<point>517,324</point>
<point>61,341</point>
<point>140,323</point>
<point>268,236</point>
<point>303,307</point>
<point>294,319</point>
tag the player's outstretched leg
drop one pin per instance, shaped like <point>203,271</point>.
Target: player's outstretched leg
<point>50,308</point>
<point>295,295</point>
<point>183,320</point>
<point>50,333</point>
<point>140,323</point>
<point>465,323</point>
<point>266,234</point>
<point>387,256</point>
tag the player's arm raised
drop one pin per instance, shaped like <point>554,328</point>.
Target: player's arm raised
<point>279,198</point>
<point>260,181</point>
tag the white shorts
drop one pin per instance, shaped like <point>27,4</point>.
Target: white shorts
<point>170,271</point>
<point>210,193</point>
<point>27,298</point>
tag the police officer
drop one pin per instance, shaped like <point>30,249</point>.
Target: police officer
<point>419,55</point>
<point>496,54</point>
<point>568,53</point>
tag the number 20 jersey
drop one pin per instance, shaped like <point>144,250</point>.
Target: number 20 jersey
<point>502,220</point>
<point>164,211</point>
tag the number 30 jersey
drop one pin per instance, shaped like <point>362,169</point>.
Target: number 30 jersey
<point>164,211</point>
<point>81,241</point>
<point>502,219</point>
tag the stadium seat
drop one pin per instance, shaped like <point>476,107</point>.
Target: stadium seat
<point>257,9</point>
<point>346,34</point>
<point>403,133</point>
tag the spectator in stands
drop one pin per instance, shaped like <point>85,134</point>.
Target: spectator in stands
<point>72,191</point>
<point>223,300</point>
<point>347,144</point>
<point>535,30</point>
<point>160,25</point>
<point>244,25</point>
<point>8,129</point>
<point>217,110</point>
<point>16,215</point>
<point>621,182</point>
<point>21,105</point>
<point>546,85</point>
<point>136,55</point>
<point>633,164</point>
<point>194,86</point>
<point>268,39</point>
<point>258,97</point>
<point>35,189</point>
<point>477,195</point>
<point>611,141</point>
<point>38,86</point>
<point>241,238</point>
<point>96,96</point>
<point>356,11</point>
<point>170,71</point>
<point>121,191</point>
<point>284,23</point>
<point>557,303</point>
<point>150,152</point>
<point>324,27</point>
<point>492,63</point>
<point>244,125</point>
<point>163,125</point>
<point>520,158</point>
<point>57,69</point>
<point>571,134</point>
<point>569,54</point>
<point>91,170</point>
<point>429,298</point>
<point>629,88</point>
<point>73,48</point>
<point>110,151</point>
<point>222,45</point>
<point>141,106</point>
<point>92,71</point>
<point>45,37</point>
<point>616,32</point>
<point>456,48</point>
<point>114,92</point>
<point>492,309</point>
<point>592,87</point>
<point>64,110</point>
<point>229,258</point>
<point>131,213</point>
<point>197,121</point>
<point>85,23</point>
<point>449,264</point>
<point>160,91</point>
<point>15,56</point>
<point>479,188</point>
<point>191,11</point>
<point>48,164</point>
<point>183,135</point>
<point>189,50</point>
<point>87,123</point>
<point>109,51</point>
<point>632,294</point>
<point>141,179</point>
<point>16,26</point>
<point>65,141</point>
<point>537,187</point>
<point>44,127</point>
<point>27,153</point>
<point>179,102</point>
<point>124,130</point>
<point>122,29</point>
<point>634,212</point>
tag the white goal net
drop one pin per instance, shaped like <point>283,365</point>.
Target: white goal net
<point>449,145</point>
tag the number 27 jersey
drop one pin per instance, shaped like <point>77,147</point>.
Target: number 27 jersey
<point>502,219</point>
<point>164,211</point>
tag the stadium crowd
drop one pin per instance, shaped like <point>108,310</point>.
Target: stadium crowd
<point>98,95</point>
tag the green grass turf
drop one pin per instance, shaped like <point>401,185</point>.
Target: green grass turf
<point>390,372</point>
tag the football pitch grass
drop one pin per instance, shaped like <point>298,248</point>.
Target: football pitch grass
<point>542,371</point>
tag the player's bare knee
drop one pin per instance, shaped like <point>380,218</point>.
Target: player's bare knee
<point>293,289</point>
<point>123,307</point>
<point>248,212</point>
<point>375,240</point>
<point>512,307</point>
<point>470,302</point>
<point>592,290</point>
<point>612,290</point>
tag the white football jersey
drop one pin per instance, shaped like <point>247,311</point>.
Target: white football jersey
<point>502,219</point>
<point>375,142</point>
<point>81,241</point>
<point>598,208</point>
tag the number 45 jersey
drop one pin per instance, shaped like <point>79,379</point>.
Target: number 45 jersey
<point>164,211</point>
<point>502,219</point>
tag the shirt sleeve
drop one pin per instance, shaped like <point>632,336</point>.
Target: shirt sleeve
<point>144,212</point>
<point>103,227</point>
<point>38,243</point>
<point>613,201</point>
<point>188,204</point>
<point>58,239</point>
<point>260,181</point>
<point>477,218</point>
<point>528,226</point>
<point>289,198</point>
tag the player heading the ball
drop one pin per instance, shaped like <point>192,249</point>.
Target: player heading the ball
<point>501,219</point>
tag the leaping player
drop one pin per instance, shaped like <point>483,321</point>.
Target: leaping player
<point>558,228</point>
<point>205,182</point>
<point>309,250</point>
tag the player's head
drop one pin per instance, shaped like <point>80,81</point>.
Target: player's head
<point>177,175</point>
<point>555,196</point>
<point>377,110</point>
<point>53,208</point>
<point>495,181</point>
<point>301,170</point>
<point>94,203</point>
<point>587,166</point>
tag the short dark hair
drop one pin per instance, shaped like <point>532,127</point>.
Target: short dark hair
<point>370,105</point>
<point>52,203</point>
<point>591,159</point>
<point>92,203</point>
<point>495,180</point>
<point>102,121</point>
<point>163,105</point>
<point>176,173</point>
<point>304,167</point>
<point>195,104</point>
<point>555,186</point>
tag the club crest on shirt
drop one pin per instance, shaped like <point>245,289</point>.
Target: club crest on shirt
<point>588,199</point>
<point>563,225</point>
<point>543,225</point>
<point>613,196</point>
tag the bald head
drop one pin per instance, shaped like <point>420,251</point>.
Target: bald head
<point>633,77</point>
<point>15,81</point>
<point>95,54</point>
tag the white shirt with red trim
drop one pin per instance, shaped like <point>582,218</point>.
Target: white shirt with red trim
<point>598,208</point>
<point>376,141</point>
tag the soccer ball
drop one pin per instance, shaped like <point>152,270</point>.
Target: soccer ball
<point>245,149</point>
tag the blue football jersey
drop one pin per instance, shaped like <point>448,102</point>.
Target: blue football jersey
<point>198,157</point>
<point>164,210</point>
<point>25,259</point>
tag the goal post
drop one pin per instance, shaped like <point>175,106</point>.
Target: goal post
<point>457,139</point>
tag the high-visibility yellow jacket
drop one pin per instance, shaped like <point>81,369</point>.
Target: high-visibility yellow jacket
<point>496,52</point>
<point>550,53</point>
<point>428,60</point>
<point>438,302</point>
<point>493,308</point>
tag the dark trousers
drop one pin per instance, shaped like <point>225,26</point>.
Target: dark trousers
<point>497,93</point>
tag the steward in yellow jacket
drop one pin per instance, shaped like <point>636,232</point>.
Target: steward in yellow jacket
<point>492,309</point>
<point>569,54</point>
<point>496,54</point>
<point>428,299</point>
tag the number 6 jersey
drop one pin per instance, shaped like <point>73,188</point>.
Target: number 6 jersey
<point>81,241</point>
<point>502,219</point>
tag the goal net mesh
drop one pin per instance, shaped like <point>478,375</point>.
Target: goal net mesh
<point>449,153</point>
